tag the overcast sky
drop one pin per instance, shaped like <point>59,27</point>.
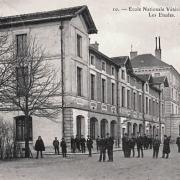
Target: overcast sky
<point>118,30</point>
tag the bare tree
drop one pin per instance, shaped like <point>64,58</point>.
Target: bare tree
<point>32,86</point>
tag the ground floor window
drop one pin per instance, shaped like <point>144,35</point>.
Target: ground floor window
<point>20,128</point>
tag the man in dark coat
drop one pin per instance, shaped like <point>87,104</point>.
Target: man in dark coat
<point>166,146</point>
<point>56,145</point>
<point>77,141</point>
<point>89,143</point>
<point>125,145</point>
<point>63,147</point>
<point>97,143</point>
<point>109,146</point>
<point>39,146</point>
<point>178,143</point>
<point>102,148</point>
<point>156,145</point>
<point>132,144</point>
<point>73,145</point>
<point>83,144</point>
<point>139,143</point>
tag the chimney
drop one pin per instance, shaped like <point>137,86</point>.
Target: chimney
<point>133,54</point>
<point>158,49</point>
<point>95,45</point>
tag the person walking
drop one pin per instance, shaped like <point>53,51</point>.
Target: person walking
<point>139,143</point>
<point>156,145</point>
<point>109,146</point>
<point>39,146</point>
<point>77,141</point>
<point>102,148</point>
<point>89,143</point>
<point>56,145</point>
<point>178,143</point>
<point>73,145</point>
<point>166,146</point>
<point>63,147</point>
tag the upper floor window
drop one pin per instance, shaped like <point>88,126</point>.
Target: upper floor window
<point>21,44</point>
<point>79,81</point>
<point>128,98</point>
<point>112,71</point>
<point>122,74</point>
<point>92,60</point>
<point>103,66</point>
<point>79,45</point>
<point>146,87</point>
<point>92,86</point>
<point>128,79</point>
<point>103,88</point>
<point>123,97</point>
<point>112,93</point>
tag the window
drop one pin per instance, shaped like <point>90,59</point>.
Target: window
<point>21,44</point>
<point>92,86</point>
<point>92,60</point>
<point>22,80</point>
<point>128,79</point>
<point>103,90</point>
<point>112,93</point>
<point>122,74</point>
<point>134,101</point>
<point>140,103</point>
<point>156,74</point>
<point>146,87</point>
<point>128,98</point>
<point>79,45</point>
<point>20,128</point>
<point>103,66</point>
<point>123,97</point>
<point>112,71</point>
<point>150,107</point>
<point>79,81</point>
<point>146,105</point>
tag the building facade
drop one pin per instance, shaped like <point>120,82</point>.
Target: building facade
<point>154,65</point>
<point>101,94</point>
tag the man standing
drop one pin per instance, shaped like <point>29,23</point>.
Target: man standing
<point>109,145</point>
<point>166,146</point>
<point>77,141</point>
<point>97,143</point>
<point>125,145</point>
<point>83,144</point>
<point>102,148</point>
<point>89,144</point>
<point>132,144</point>
<point>178,143</point>
<point>156,144</point>
<point>56,145</point>
<point>139,142</point>
<point>39,146</point>
<point>73,145</point>
<point>63,147</point>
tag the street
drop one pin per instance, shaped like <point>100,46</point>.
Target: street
<point>80,167</point>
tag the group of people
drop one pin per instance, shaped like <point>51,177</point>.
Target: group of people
<point>144,142</point>
<point>79,144</point>
<point>105,144</point>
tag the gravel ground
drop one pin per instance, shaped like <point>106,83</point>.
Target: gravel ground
<point>80,167</point>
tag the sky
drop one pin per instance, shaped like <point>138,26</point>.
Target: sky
<point>118,30</point>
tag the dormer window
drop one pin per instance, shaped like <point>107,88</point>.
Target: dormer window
<point>146,87</point>
<point>128,79</point>
<point>112,71</point>
<point>122,74</point>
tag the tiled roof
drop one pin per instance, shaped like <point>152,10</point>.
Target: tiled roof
<point>147,60</point>
<point>144,77</point>
<point>160,80</point>
<point>46,16</point>
<point>120,60</point>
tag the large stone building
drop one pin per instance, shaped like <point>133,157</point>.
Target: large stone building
<point>101,94</point>
<point>154,65</point>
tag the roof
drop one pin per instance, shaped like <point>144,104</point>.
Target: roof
<point>147,60</point>
<point>123,61</point>
<point>91,48</point>
<point>161,80</point>
<point>49,16</point>
<point>144,77</point>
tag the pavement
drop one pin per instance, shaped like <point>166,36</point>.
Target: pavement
<point>82,167</point>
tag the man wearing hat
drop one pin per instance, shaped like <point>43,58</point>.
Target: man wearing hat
<point>109,146</point>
